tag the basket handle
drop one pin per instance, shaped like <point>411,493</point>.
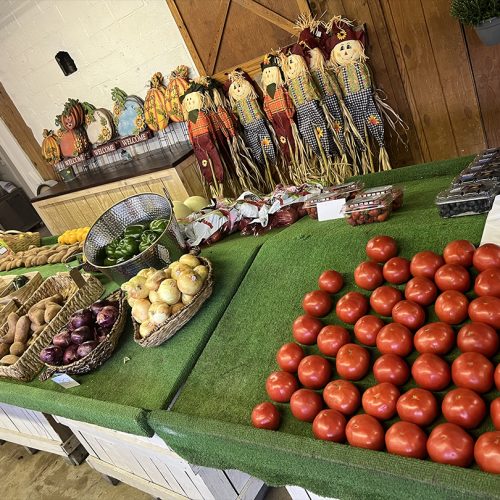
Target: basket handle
<point>77,278</point>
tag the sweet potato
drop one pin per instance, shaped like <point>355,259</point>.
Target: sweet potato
<point>37,315</point>
<point>22,330</point>
<point>4,350</point>
<point>10,359</point>
<point>51,311</point>
<point>17,348</point>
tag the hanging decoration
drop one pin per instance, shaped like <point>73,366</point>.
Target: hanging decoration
<point>155,104</point>
<point>176,88</point>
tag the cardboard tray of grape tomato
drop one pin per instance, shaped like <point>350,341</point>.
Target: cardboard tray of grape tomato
<point>394,190</point>
<point>375,208</point>
<point>310,206</point>
<point>467,199</point>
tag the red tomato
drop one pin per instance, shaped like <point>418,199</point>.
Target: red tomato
<point>384,298</point>
<point>495,413</point>
<point>329,425</point>
<point>397,270</point>
<point>314,372</point>
<point>305,404</point>
<point>431,372</point>
<point>459,252</point>
<point>330,281</point>
<point>451,307</point>
<point>497,377</point>
<point>368,275</point>
<point>452,277</point>
<point>331,338</point>
<point>289,356</point>
<point>352,362</point>
<point>450,444</point>
<point>266,416</point>
<point>381,248</point>
<point>486,257</point>
<point>488,283</point>
<point>280,386</point>
<point>317,303</point>
<point>380,400</point>
<point>306,329</point>
<point>436,338</point>
<point>464,408</point>
<point>395,339</point>
<point>487,452</point>
<point>478,337</point>
<point>421,290</point>
<point>418,406</point>
<point>409,314</point>
<point>472,371</point>
<point>367,328</point>
<point>351,307</point>
<point>425,264</point>
<point>391,368</point>
<point>406,439</point>
<point>365,431</point>
<point>486,310</point>
<point>342,396</point>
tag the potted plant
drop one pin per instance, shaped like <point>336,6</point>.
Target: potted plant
<point>484,15</point>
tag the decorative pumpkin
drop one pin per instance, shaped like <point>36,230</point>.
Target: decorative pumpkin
<point>155,109</point>
<point>73,115</point>
<point>73,142</point>
<point>99,124</point>
<point>128,113</point>
<point>176,88</point>
<point>50,147</point>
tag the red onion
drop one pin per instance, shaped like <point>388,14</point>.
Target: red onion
<point>62,339</point>
<point>52,355</point>
<point>86,348</point>
<point>83,317</point>
<point>70,354</point>
<point>107,316</point>
<point>81,335</point>
<point>97,306</point>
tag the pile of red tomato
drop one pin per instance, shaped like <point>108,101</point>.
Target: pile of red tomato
<point>307,382</point>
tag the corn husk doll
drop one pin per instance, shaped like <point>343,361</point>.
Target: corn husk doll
<point>311,120</point>
<point>202,137</point>
<point>244,100</point>
<point>348,60</point>
<point>280,111</point>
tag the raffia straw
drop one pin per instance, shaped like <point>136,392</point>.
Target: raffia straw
<point>383,159</point>
<point>391,117</point>
<point>371,167</point>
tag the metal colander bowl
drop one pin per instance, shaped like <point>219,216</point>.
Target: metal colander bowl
<point>137,209</point>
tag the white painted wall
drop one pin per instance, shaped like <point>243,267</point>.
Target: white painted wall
<point>113,43</point>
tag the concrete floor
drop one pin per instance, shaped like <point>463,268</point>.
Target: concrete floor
<point>45,476</point>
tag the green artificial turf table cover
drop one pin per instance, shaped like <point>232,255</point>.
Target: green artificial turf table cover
<point>136,380</point>
<point>210,421</point>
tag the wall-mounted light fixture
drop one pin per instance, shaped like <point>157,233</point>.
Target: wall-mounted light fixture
<point>66,63</point>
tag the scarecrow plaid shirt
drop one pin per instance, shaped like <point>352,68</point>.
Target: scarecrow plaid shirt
<point>201,127</point>
<point>326,84</point>
<point>281,102</point>
<point>302,90</point>
<point>354,77</point>
<point>248,111</point>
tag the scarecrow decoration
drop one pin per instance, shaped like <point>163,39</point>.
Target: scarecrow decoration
<point>345,44</point>
<point>202,136</point>
<point>244,100</point>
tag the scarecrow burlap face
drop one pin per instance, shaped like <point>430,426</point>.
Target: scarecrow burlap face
<point>192,101</point>
<point>295,66</point>
<point>347,52</point>
<point>240,89</point>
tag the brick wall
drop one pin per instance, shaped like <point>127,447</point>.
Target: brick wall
<point>113,43</point>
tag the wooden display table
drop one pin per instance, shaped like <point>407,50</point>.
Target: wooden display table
<point>80,202</point>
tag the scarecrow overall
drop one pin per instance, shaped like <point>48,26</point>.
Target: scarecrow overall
<point>347,58</point>
<point>202,136</point>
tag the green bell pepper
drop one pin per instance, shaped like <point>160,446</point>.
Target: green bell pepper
<point>109,262</point>
<point>110,248</point>
<point>127,247</point>
<point>134,230</point>
<point>158,225</point>
<point>147,239</point>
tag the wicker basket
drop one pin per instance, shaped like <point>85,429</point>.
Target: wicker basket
<point>29,364</point>
<point>102,352</point>
<point>174,323</point>
<point>24,293</point>
<point>18,241</point>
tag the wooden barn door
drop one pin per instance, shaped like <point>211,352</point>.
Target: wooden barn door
<point>224,34</point>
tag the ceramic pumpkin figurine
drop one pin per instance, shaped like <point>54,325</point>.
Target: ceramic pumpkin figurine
<point>176,88</point>
<point>155,109</point>
<point>348,60</point>
<point>202,136</point>
<point>99,124</point>
<point>73,140</point>
<point>50,147</point>
<point>73,115</point>
<point>128,113</point>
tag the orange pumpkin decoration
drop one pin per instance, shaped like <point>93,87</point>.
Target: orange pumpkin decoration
<point>155,109</point>
<point>176,88</point>
<point>50,147</point>
<point>73,115</point>
<point>73,142</point>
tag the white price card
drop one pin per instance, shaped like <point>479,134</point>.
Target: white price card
<point>331,209</point>
<point>64,380</point>
<point>491,231</point>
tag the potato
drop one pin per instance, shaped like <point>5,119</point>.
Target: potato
<point>17,348</point>
<point>22,330</point>
<point>38,330</point>
<point>10,359</point>
<point>41,260</point>
<point>12,320</point>
<point>51,312</point>
<point>37,315</point>
<point>4,350</point>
